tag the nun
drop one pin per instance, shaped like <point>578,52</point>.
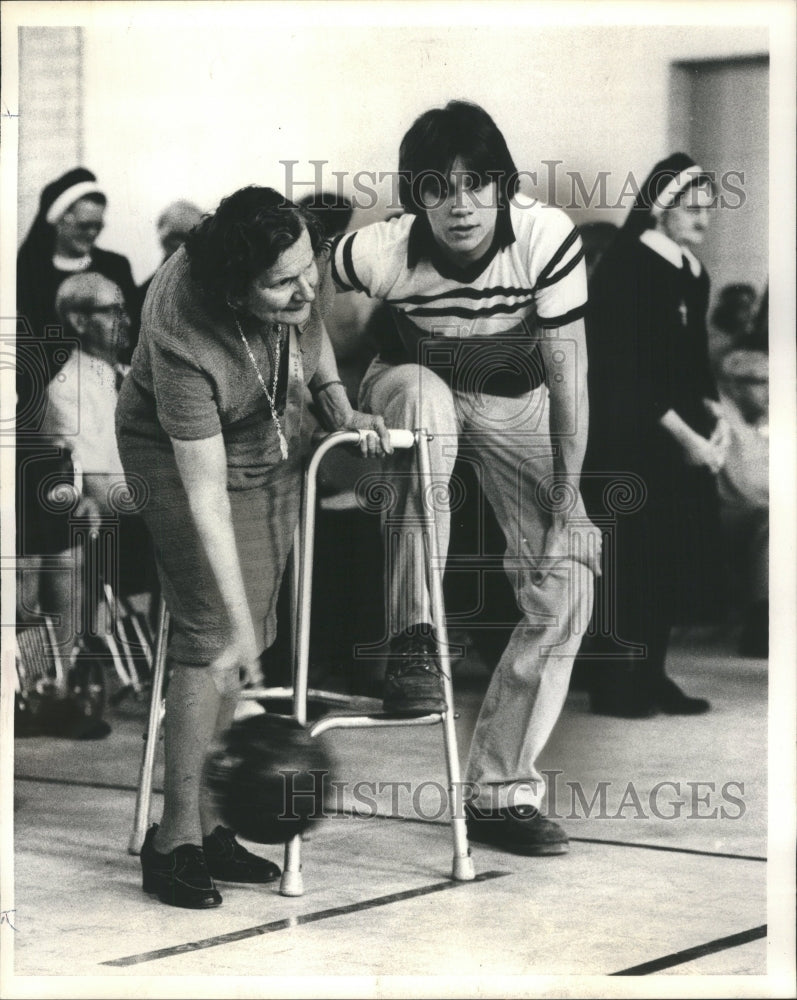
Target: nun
<point>657,442</point>
<point>61,242</point>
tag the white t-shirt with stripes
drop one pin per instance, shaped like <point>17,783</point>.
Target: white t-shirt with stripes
<point>532,278</point>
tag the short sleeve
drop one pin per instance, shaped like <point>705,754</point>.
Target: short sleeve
<point>560,284</point>
<point>356,257</point>
<point>184,395</point>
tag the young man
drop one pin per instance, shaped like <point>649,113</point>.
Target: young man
<point>488,355</point>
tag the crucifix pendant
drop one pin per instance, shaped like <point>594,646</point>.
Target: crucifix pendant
<point>683,312</point>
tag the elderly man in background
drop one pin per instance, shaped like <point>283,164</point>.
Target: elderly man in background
<point>81,402</point>
<point>81,399</point>
<point>174,223</point>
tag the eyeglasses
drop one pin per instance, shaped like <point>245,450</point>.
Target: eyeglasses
<point>112,310</point>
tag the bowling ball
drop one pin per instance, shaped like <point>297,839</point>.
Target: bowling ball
<point>267,776</point>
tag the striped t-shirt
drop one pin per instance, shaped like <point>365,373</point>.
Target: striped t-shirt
<point>491,312</point>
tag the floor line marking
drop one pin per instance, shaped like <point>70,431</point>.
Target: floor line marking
<point>297,921</point>
<point>690,954</point>
<point>668,847</point>
<point>76,783</point>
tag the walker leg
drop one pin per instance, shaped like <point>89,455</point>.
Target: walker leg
<point>292,883</point>
<point>462,869</point>
<point>301,589</point>
<point>144,797</point>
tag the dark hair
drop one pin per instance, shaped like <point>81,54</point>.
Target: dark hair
<point>241,239</point>
<point>734,312</point>
<point>437,138</point>
<point>332,212</point>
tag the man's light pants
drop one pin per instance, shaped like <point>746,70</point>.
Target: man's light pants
<point>511,437</point>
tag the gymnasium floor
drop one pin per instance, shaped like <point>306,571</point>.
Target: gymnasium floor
<point>661,884</point>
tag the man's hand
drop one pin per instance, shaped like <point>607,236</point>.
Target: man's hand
<point>573,536</point>
<point>88,509</point>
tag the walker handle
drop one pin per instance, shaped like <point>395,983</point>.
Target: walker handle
<point>401,438</point>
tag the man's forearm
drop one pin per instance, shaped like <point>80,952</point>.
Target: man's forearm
<point>568,420</point>
<point>568,398</point>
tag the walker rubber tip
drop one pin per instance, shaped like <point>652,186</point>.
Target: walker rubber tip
<point>291,884</point>
<point>463,870</point>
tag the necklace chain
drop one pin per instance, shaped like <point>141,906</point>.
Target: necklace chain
<point>270,396</point>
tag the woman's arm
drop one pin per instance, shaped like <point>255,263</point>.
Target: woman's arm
<point>203,469</point>
<point>335,410</point>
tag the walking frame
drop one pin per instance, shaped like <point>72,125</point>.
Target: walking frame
<point>299,692</point>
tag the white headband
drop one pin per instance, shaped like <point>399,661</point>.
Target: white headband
<point>673,188</point>
<point>58,209</point>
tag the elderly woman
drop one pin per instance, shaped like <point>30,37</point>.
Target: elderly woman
<point>657,433</point>
<point>210,419</point>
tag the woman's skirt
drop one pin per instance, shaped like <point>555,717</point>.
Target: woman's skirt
<point>264,519</point>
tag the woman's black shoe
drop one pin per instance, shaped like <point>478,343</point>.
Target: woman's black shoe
<point>621,689</point>
<point>622,706</point>
<point>672,700</point>
<point>179,878</point>
<point>228,861</point>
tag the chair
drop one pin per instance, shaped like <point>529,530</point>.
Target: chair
<point>49,490</point>
<point>352,715</point>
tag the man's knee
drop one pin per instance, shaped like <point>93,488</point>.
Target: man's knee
<point>419,398</point>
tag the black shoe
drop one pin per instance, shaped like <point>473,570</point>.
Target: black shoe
<point>672,700</point>
<point>519,829</point>
<point>229,861</point>
<point>412,679</point>
<point>179,878</point>
<point>623,706</point>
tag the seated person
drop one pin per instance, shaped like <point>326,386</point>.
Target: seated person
<point>81,402</point>
<point>174,223</point>
<point>81,399</point>
<point>733,318</point>
<point>744,487</point>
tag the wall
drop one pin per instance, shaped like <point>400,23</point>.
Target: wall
<point>51,125</point>
<point>723,122</point>
<point>196,113</point>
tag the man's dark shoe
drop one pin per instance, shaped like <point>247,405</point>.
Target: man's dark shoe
<point>229,861</point>
<point>672,700</point>
<point>519,829</point>
<point>413,684</point>
<point>179,878</point>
